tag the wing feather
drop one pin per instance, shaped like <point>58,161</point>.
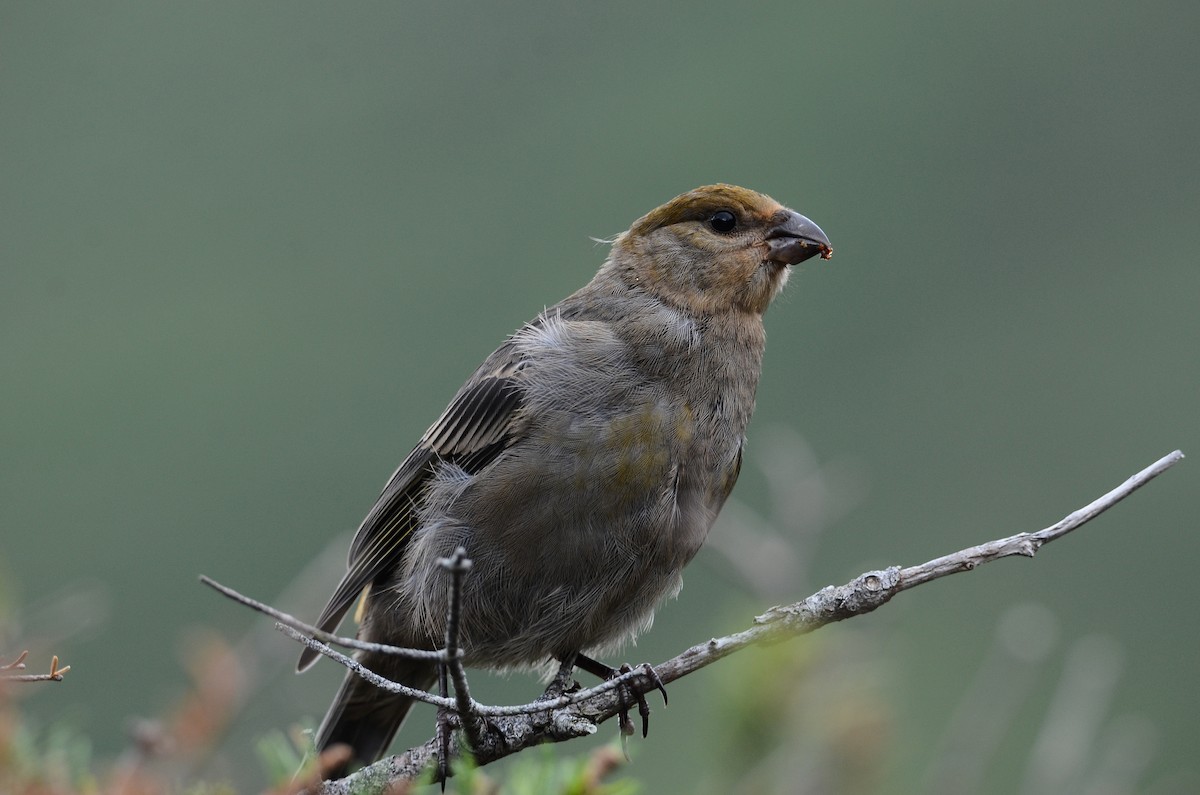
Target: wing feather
<point>479,424</point>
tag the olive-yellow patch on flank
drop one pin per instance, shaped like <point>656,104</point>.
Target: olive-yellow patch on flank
<point>643,452</point>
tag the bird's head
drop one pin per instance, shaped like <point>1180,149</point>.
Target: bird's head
<point>716,249</point>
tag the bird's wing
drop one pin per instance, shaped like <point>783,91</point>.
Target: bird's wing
<point>481,421</point>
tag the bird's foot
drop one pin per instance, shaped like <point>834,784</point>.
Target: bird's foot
<point>626,695</point>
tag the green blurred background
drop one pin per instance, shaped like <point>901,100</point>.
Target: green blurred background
<point>248,251</point>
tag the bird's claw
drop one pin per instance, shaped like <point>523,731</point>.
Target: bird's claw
<point>625,696</point>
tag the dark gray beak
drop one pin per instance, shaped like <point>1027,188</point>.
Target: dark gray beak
<point>794,239</point>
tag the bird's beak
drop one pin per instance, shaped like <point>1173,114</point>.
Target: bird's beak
<point>794,239</point>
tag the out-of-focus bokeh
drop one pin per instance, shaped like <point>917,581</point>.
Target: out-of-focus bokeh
<point>248,251</point>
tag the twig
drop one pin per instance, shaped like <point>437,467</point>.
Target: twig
<point>363,671</point>
<point>17,664</point>
<point>458,565</point>
<point>55,675</point>
<point>442,702</point>
<point>328,637</point>
<point>1028,544</point>
<point>549,723</point>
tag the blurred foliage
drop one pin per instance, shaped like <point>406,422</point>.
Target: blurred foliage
<point>249,250</point>
<point>551,770</point>
<point>61,762</point>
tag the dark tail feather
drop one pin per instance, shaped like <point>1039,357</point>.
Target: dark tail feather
<point>366,718</point>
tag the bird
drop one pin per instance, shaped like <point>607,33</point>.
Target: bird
<point>580,466</point>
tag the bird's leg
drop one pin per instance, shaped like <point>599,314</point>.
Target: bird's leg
<point>562,682</point>
<point>596,668</point>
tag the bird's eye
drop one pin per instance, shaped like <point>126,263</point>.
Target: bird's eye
<point>722,221</point>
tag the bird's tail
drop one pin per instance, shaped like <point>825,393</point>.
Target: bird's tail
<point>366,718</point>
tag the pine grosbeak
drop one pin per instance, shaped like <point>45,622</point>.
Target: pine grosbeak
<point>583,463</point>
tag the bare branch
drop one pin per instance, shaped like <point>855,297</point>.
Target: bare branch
<point>328,637</point>
<point>1028,544</point>
<point>363,671</point>
<point>874,588</point>
<point>443,702</point>
<point>508,730</point>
